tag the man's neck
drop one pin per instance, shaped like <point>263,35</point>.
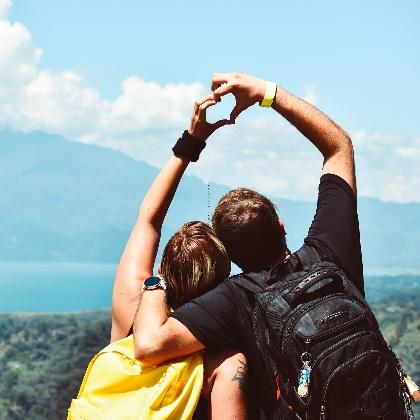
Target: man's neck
<point>283,257</point>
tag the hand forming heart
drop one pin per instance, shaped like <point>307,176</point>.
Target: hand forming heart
<point>199,126</point>
<point>222,109</point>
<point>247,91</point>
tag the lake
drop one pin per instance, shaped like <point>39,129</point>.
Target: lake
<point>66,287</point>
<point>55,287</point>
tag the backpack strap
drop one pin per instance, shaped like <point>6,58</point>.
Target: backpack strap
<point>307,255</point>
<point>250,282</point>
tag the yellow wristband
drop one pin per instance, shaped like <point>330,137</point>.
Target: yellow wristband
<point>270,94</point>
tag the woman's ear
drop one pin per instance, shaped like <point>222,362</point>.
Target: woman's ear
<point>159,270</point>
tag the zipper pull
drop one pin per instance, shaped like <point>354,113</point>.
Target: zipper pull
<point>304,379</point>
<point>323,416</point>
<point>304,375</point>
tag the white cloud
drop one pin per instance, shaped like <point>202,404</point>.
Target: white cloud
<point>388,166</point>
<point>18,56</point>
<point>310,93</point>
<point>144,105</point>
<point>408,152</point>
<point>262,153</point>
<point>59,102</point>
<point>5,6</point>
<point>62,102</point>
<point>262,150</point>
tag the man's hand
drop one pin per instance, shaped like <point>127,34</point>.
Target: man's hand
<point>413,389</point>
<point>247,90</point>
<point>199,127</point>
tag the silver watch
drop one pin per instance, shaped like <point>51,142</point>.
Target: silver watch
<point>153,283</point>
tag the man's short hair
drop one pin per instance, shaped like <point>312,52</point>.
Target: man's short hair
<point>248,225</point>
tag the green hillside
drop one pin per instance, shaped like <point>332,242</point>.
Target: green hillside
<point>380,287</point>
<point>43,357</point>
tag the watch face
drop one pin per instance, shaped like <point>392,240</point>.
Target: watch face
<point>151,281</point>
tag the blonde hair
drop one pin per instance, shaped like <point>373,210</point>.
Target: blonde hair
<point>193,262</point>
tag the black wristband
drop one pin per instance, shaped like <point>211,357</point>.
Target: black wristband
<point>189,146</point>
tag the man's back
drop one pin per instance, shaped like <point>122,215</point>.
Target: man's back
<point>254,236</point>
<point>222,317</point>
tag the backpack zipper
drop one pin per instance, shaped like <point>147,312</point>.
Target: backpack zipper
<point>339,343</point>
<point>291,322</point>
<point>284,285</point>
<point>328,350</point>
<point>323,411</point>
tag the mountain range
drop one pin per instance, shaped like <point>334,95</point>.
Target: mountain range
<point>68,201</point>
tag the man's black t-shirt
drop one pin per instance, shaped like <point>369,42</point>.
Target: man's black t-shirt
<point>219,319</point>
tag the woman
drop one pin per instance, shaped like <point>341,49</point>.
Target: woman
<point>194,261</point>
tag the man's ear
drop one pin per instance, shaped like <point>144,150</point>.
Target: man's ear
<point>282,227</point>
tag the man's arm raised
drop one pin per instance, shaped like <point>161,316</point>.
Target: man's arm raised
<point>329,138</point>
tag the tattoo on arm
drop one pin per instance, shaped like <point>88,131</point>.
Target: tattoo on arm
<point>241,375</point>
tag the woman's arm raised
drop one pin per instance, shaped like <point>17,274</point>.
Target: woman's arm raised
<point>139,255</point>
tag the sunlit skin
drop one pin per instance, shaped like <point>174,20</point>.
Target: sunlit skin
<point>413,389</point>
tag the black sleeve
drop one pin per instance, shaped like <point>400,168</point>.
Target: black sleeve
<point>335,228</point>
<point>212,318</point>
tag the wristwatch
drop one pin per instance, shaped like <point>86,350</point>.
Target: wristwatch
<point>153,283</point>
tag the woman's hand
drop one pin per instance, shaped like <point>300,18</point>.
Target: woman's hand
<point>199,127</point>
<point>412,388</point>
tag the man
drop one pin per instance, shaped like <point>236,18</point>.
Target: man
<point>254,237</point>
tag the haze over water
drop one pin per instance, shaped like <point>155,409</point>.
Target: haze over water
<point>55,287</point>
<point>67,287</point>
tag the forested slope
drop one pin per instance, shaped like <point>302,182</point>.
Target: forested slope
<point>43,357</point>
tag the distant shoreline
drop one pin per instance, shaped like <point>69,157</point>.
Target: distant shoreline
<point>391,271</point>
<point>17,266</point>
<point>45,286</point>
<point>62,264</point>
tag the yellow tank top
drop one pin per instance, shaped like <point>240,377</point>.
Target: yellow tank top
<point>116,386</point>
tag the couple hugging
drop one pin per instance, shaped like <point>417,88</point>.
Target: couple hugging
<point>290,337</point>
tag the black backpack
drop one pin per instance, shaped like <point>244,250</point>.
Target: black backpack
<point>322,346</point>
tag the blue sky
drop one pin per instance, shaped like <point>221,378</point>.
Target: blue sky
<point>361,54</point>
<point>358,61</point>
